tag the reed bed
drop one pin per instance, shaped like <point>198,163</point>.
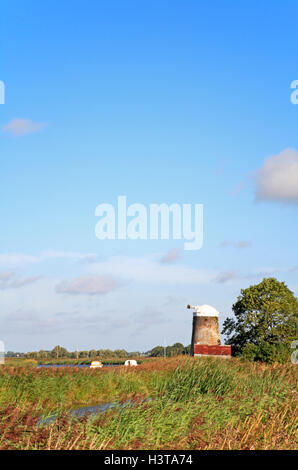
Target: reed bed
<point>196,403</point>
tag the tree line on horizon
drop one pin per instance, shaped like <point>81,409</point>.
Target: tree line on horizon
<point>59,352</point>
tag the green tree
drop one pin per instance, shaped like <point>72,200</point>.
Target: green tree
<point>266,312</point>
<point>134,354</point>
<point>177,349</point>
<point>43,354</point>
<point>156,352</point>
<point>55,351</point>
<point>120,353</point>
<point>58,351</point>
<point>83,354</point>
<point>187,349</point>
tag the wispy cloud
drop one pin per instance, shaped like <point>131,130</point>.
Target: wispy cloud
<point>149,270</point>
<point>76,255</point>
<point>262,273</point>
<point>29,321</point>
<point>147,318</point>
<point>88,285</point>
<point>20,259</point>
<point>5,276</point>
<point>16,259</point>
<point>171,256</point>
<point>9,280</point>
<point>240,244</point>
<point>19,127</point>
<point>277,179</point>
<point>221,165</point>
<point>20,315</point>
<point>239,187</point>
<point>226,276</point>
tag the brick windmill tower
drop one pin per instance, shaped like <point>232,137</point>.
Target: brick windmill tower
<point>205,339</point>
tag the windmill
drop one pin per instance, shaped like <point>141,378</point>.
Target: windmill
<point>205,340</point>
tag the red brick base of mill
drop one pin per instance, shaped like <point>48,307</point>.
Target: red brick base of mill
<point>206,350</point>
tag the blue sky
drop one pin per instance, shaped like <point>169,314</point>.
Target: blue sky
<point>161,101</point>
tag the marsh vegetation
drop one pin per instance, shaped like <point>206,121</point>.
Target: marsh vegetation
<point>196,403</point>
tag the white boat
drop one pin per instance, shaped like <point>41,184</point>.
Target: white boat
<point>130,362</point>
<point>95,364</point>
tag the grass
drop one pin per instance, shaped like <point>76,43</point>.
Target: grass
<point>197,403</point>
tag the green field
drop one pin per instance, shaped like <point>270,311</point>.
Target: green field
<point>196,403</point>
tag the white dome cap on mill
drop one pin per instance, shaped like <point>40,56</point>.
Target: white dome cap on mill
<point>204,311</point>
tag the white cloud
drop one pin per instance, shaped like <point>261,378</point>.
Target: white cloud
<point>20,127</point>
<point>88,285</point>
<point>277,179</point>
